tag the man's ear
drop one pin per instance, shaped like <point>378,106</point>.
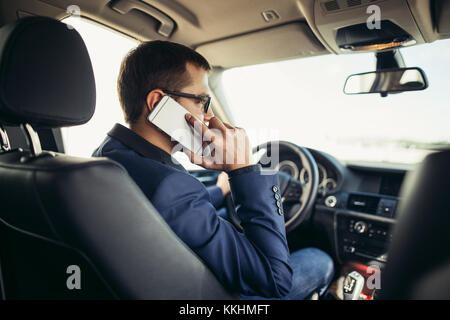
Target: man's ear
<point>153,97</point>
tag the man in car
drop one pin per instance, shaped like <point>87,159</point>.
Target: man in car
<point>256,263</point>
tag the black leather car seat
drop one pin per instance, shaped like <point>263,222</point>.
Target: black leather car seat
<point>418,266</point>
<point>76,228</point>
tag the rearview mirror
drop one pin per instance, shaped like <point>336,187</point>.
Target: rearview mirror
<point>387,80</point>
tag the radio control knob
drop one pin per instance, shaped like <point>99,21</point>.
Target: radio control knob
<point>360,227</point>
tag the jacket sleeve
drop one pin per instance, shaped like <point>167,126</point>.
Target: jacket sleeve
<point>216,195</point>
<point>255,262</point>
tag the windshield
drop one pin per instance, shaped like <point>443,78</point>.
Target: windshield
<point>302,101</point>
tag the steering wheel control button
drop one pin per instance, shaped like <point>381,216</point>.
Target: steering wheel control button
<point>275,189</point>
<point>280,211</point>
<point>331,201</point>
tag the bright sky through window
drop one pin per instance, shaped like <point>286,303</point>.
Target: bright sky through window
<point>106,50</point>
<point>303,99</point>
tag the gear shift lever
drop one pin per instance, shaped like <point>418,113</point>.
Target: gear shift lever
<point>353,285</point>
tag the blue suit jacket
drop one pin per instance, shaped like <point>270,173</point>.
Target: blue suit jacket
<point>255,262</point>
<point>216,196</point>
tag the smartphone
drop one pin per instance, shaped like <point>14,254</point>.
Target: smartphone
<point>169,116</point>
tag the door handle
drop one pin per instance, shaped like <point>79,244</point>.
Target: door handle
<point>167,25</point>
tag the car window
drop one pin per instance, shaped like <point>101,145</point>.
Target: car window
<point>106,49</point>
<point>302,101</point>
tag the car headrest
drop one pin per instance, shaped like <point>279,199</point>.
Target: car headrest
<point>46,76</point>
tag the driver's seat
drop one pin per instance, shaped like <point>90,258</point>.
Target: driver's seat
<point>75,228</point>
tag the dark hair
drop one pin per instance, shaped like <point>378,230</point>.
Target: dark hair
<point>154,65</point>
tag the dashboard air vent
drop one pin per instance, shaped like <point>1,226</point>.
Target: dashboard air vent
<point>363,203</point>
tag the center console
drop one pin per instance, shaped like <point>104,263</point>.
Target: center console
<point>362,243</point>
<point>364,227</point>
<point>364,238</point>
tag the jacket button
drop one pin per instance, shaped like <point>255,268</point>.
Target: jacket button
<point>280,212</point>
<point>278,204</point>
<point>274,188</point>
<point>277,196</point>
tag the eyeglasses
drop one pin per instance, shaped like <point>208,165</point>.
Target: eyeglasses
<point>205,100</point>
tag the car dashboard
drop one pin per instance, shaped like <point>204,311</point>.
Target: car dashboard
<point>358,215</point>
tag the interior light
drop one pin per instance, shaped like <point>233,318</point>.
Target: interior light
<point>379,46</point>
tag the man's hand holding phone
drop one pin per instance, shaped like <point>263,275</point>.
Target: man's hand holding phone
<point>229,146</point>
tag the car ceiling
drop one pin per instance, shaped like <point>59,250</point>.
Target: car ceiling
<point>233,32</point>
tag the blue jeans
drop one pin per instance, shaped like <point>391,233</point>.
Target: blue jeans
<point>313,272</point>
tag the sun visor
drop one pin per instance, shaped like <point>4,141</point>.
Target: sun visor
<point>292,40</point>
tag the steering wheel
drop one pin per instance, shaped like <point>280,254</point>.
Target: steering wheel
<point>297,196</point>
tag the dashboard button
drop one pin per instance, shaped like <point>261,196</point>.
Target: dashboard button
<point>331,201</point>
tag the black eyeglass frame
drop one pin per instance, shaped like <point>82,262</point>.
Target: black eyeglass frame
<point>206,100</point>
